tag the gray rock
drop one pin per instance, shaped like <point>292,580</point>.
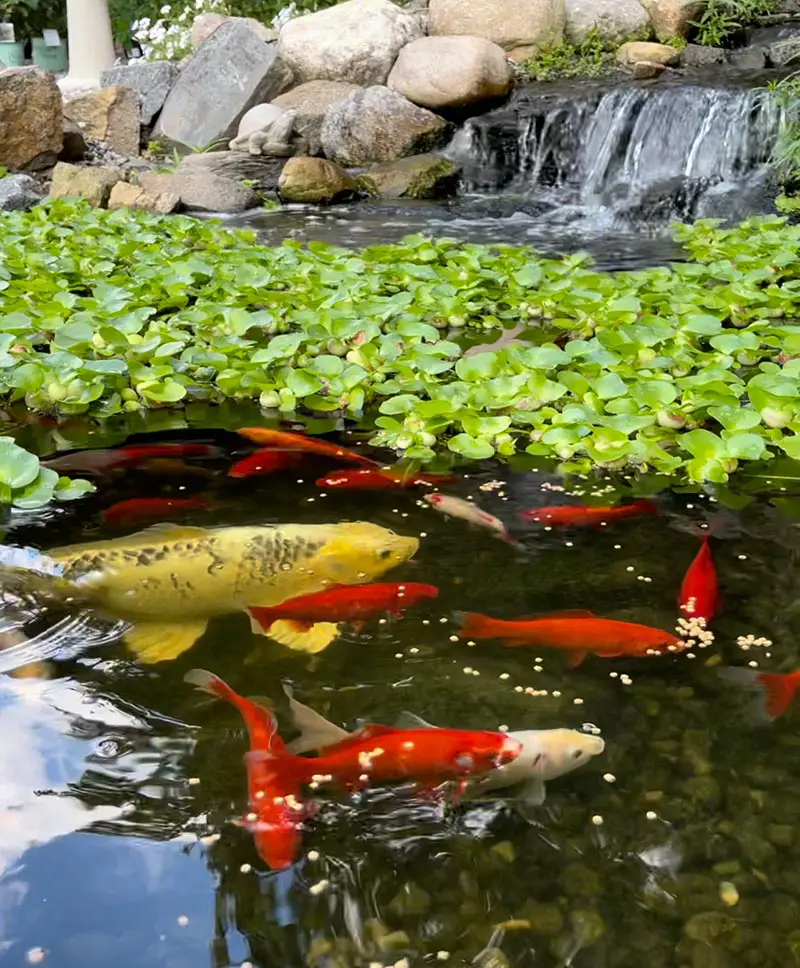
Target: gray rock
<point>232,71</point>
<point>202,190</point>
<point>315,181</point>
<point>378,124</point>
<point>74,147</point>
<point>748,58</point>
<point>694,55</point>
<point>614,21</point>
<point>152,81</point>
<point>76,181</point>
<point>311,102</point>
<point>19,193</point>
<point>205,24</point>
<point>31,121</point>
<point>784,52</point>
<point>238,166</point>
<point>421,176</point>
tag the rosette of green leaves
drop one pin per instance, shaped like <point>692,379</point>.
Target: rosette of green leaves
<point>26,484</point>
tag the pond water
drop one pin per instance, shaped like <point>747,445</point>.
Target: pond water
<point>678,846</point>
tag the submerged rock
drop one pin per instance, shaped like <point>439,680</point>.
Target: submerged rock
<point>31,133</point>
<point>356,41</point>
<point>520,27</point>
<point>613,20</point>
<point>314,180</point>
<point>420,176</point>
<point>19,193</point>
<point>451,72</point>
<point>378,124</point>
<point>410,901</point>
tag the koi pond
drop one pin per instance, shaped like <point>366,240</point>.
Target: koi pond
<point>677,845</point>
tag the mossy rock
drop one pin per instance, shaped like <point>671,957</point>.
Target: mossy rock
<point>420,176</point>
<point>545,919</point>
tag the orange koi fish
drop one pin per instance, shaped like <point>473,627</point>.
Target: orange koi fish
<point>699,595</point>
<point>773,692</point>
<point>269,460</point>
<point>309,445</point>
<point>583,516</point>
<point>386,479</point>
<point>104,461</point>
<point>577,632</point>
<point>382,754</point>
<point>139,509</point>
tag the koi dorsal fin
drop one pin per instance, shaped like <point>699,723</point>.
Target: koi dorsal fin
<point>563,613</point>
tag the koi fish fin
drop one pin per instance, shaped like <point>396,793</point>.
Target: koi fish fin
<point>206,681</point>
<point>163,531</point>
<point>532,792</point>
<point>575,659</point>
<point>407,720</point>
<point>315,730</point>
<point>262,618</point>
<point>568,613</point>
<point>159,641</point>
<point>773,692</point>
<point>302,637</point>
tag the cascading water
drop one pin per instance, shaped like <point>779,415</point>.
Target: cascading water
<point>623,155</point>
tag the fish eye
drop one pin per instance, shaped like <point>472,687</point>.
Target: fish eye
<point>386,553</point>
<point>577,754</point>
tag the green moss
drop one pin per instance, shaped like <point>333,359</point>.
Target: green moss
<point>593,57</point>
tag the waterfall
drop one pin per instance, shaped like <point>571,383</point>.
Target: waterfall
<point>644,152</point>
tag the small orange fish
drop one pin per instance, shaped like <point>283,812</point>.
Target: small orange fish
<point>140,509</point>
<point>385,479</point>
<point>581,516</point>
<point>773,692</point>
<point>577,632</point>
<point>309,445</point>
<point>269,460</point>
<point>699,595</point>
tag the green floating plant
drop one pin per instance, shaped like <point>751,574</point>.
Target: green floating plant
<point>689,370</point>
<point>27,485</point>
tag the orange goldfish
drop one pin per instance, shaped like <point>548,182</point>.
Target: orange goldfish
<point>569,516</point>
<point>140,509</point>
<point>269,460</point>
<point>773,692</point>
<point>577,632</point>
<point>309,445</point>
<point>699,595</point>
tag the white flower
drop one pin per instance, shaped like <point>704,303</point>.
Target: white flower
<point>165,9</point>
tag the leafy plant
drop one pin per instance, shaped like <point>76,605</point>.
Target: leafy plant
<point>26,484</point>
<point>721,20</point>
<point>689,370</point>
<point>591,58</point>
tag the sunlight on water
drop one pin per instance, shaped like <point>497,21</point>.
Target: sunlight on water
<point>676,846</point>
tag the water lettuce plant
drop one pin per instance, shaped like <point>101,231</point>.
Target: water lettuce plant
<point>690,369</point>
<point>27,485</point>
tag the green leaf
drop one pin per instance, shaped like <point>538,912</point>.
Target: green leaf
<point>481,366</point>
<point>791,446</point>
<point>474,447</point>
<point>745,446</point>
<point>302,383</point>
<point>610,385</point>
<point>18,468</point>
<point>703,325</point>
<point>703,444</point>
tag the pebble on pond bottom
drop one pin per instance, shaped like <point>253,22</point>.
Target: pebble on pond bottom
<point>35,956</point>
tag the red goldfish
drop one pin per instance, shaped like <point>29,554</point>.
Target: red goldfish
<point>275,818</point>
<point>386,479</point>
<point>119,458</point>
<point>699,595</point>
<point>773,691</point>
<point>140,509</point>
<point>309,445</point>
<point>379,754</point>
<point>267,461</point>
<point>577,632</point>
<point>578,516</point>
<point>346,603</point>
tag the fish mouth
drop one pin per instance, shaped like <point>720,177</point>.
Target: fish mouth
<point>508,752</point>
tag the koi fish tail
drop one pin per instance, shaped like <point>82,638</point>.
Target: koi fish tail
<point>308,637</point>
<point>474,625</point>
<point>207,682</point>
<point>315,731</point>
<point>772,692</point>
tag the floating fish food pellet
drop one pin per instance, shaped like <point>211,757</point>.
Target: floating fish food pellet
<point>35,956</point>
<point>609,778</point>
<point>246,868</point>
<point>193,780</point>
<point>183,920</point>
<point>728,893</point>
<point>319,887</point>
<point>597,820</point>
<point>313,855</point>
<point>651,815</point>
<point>442,955</point>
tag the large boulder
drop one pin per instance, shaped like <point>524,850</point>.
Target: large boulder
<point>315,181</point>
<point>237,166</point>
<point>110,115</point>
<point>520,27</point>
<point>126,195</point>
<point>152,81</point>
<point>378,124</point>
<point>450,72</point>
<point>356,41</point>
<point>233,70</point>
<point>311,102</point>
<point>201,191</point>
<point>75,181</point>
<point>672,18</point>
<point>205,24</point>
<point>31,132</point>
<point>19,193</point>
<point>421,176</point>
<point>613,20</point>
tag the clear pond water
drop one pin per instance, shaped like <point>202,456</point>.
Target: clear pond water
<point>119,784</point>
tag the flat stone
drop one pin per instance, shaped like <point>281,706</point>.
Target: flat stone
<point>646,70</point>
<point>748,58</point>
<point>521,27</point>
<point>785,52</point>
<point>421,176</point>
<point>232,71</point>
<point>672,18</point>
<point>451,72</point>
<point>356,41</point>
<point>110,115</point>
<point>238,167</point>
<point>125,195</point>
<point>311,102</point>
<point>75,181</point>
<point>152,81</point>
<point>205,24</point>
<point>378,124</point>
<point>614,21</point>
<point>18,193</point>
<point>74,146</point>
<point>639,51</point>
<point>31,133</point>
<point>315,181</point>
<point>202,190</point>
<point>696,55</point>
